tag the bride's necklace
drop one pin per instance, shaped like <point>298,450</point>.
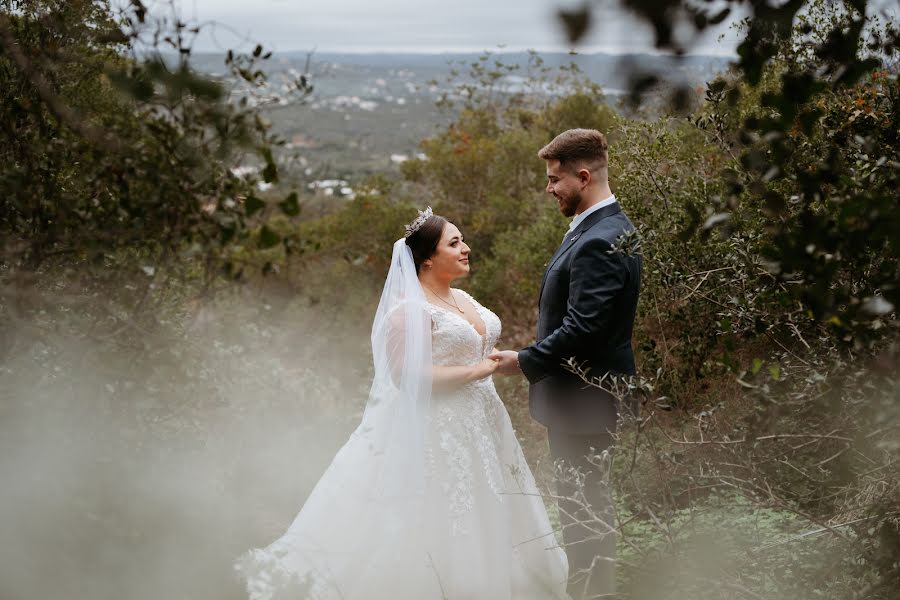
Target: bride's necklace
<point>454,305</point>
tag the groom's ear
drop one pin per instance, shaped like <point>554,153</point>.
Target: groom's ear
<point>585,176</point>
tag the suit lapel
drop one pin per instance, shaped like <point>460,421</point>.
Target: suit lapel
<point>591,220</point>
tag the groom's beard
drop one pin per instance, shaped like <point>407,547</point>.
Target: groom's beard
<point>568,205</point>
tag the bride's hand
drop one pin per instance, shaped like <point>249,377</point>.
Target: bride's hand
<point>508,361</point>
<point>484,369</point>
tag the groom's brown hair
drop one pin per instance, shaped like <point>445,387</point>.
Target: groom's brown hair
<point>578,146</point>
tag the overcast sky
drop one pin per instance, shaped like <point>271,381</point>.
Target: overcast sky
<point>430,25</point>
<point>420,26</point>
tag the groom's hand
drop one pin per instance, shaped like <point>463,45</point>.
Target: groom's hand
<point>509,362</point>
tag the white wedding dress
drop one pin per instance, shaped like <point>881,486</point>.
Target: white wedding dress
<point>484,533</point>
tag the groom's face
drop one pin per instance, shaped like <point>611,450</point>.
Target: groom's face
<point>564,185</point>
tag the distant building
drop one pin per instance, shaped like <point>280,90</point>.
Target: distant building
<point>301,141</point>
<point>332,187</point>
<point>244,171</point>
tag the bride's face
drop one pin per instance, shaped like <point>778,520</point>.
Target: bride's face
<point>451,258</point>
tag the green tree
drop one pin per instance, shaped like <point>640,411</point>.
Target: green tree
<point>109,143</point>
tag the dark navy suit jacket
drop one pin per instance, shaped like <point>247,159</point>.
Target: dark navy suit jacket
<point>587,307</point>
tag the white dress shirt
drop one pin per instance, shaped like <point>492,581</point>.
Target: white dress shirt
<point>579,218</point>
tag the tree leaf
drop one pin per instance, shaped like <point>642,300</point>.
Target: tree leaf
<point>575,22</point>
<point>290,205</point>
<point>253,205</point>
<point>757,365</point>
<point>270,173</point>
<point>268,238</point>
<point>719,17</point>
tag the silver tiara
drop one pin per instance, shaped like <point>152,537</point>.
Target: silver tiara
<point>418,222</point>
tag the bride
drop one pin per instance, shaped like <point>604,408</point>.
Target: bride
<point>431,497</point>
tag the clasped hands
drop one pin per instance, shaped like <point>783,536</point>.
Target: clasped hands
<point>507,362</point>
<point>499,362</point>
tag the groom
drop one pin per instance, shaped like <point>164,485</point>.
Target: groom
<point>587,306</point>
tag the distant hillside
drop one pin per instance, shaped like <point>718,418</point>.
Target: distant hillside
<point>369,112</point>
<point>608,70</point>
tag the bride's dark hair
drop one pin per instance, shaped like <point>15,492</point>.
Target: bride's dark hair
<point>425,240</point>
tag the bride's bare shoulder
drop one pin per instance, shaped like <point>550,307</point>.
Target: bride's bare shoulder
<point>469,296</point>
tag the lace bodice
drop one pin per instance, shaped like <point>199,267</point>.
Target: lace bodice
<point>467,424</point>
<point>455,341</point>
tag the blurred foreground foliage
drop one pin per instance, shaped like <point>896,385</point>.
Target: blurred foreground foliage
<point>764,464</point>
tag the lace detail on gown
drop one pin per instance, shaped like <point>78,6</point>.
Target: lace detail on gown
<point>465,420</point>
<point>485,532</point>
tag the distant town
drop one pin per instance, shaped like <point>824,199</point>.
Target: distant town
<point>368,113</point>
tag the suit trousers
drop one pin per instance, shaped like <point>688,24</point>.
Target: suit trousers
<point>586,511</point>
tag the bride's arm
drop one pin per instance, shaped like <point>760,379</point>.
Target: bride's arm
<point>452,376</point>
<point>442,377</point>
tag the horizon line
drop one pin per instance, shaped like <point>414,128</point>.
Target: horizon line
<point>406,50</point>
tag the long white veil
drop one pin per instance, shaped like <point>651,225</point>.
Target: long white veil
<point>401,387</point>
